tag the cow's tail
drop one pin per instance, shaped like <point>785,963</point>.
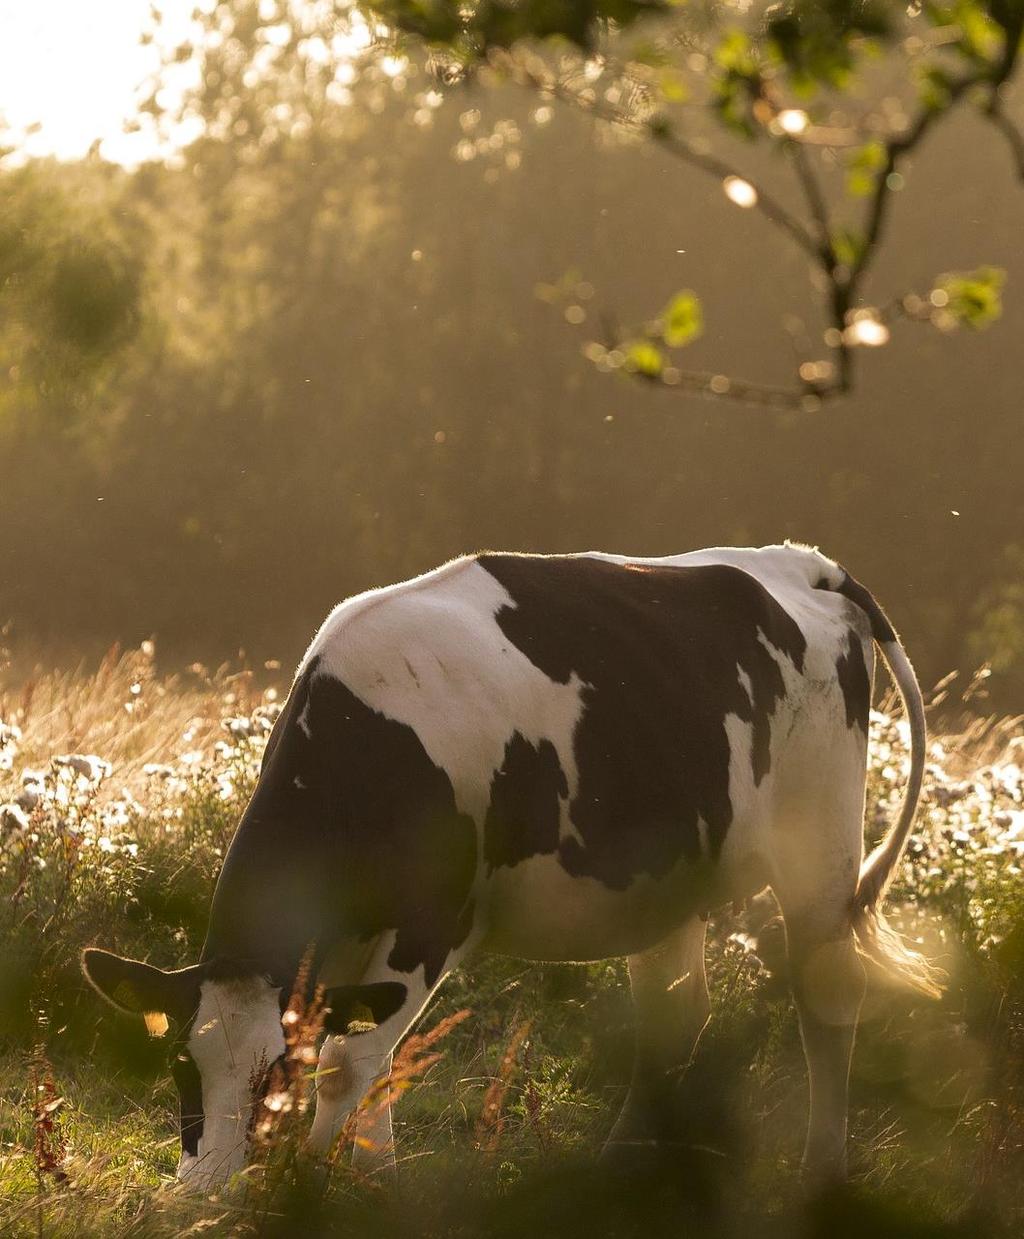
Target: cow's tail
<point>876,938</point>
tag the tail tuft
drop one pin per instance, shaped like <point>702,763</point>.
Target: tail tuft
<point>890,950</point>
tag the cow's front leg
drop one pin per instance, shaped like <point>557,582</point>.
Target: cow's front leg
<point>385,1004</point>
<point>351,1076</point>
<point>671,1004</point>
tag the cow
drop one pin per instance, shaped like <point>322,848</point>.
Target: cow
<point>559,758</point>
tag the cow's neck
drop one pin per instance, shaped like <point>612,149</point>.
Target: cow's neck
<point>274,897</point>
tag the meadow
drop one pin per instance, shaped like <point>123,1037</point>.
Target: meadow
<point>119,790</point>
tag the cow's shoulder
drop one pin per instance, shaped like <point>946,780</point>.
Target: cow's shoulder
<point>377,615</point>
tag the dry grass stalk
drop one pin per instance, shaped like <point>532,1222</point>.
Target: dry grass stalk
<point>491,1122</point>
<point>412,1060</point>
<point>124,711</point>
<point>282,1093</point>
<point>534,1105</point>
<point>49,1146</point>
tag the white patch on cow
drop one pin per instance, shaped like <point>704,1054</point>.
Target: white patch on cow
<point>745,683</point>
<point>449,633</point>
<point>783,660</point>
<point>237,1029</point>
<point>744,795</point>
<point>567,828</point>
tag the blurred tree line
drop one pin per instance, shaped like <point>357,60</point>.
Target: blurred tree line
<point>326,348</point>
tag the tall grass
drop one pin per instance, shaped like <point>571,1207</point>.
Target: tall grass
<point>119,790</point>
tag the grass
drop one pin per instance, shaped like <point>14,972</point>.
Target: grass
<point>498,1133</point>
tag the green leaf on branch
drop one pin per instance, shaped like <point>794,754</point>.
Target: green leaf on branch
<point>737,85</point>
<point>682,320</point>
<point>644,357</point>
<point>818,41</point>
<point>735,54</point>
<point>848,246</point>
<point>935,89</point>
<point>977,37</point>
<point>862,168</point>
<point>971,298</point>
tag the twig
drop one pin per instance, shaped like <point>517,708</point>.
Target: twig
<point>895,150</point>
<point>838,281</point>
<point>1013,136</point>
<point>680,147</point>
<point>816,203</point>
<point>714,386</point>
<point>993,76</point>
<point>768,206</point>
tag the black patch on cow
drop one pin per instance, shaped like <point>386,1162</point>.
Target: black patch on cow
<point>368,1005</point>
<point>659,651</point>
<point>190,1098</point>
<point>524,811</point>
<point>881,629</point>
<point>855,682</point>
<point>352,831</point>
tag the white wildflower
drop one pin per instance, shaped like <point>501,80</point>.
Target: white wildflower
<point>13,818</point>
<point>92,768</point>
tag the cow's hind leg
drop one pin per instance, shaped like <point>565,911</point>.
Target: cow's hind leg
<point>828,982</point>
<point>671,1005</point>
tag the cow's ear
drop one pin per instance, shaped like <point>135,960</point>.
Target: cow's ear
<point>141,989</point>
<point>360,1008</point>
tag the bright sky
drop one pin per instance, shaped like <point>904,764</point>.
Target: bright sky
<point>74,67</point>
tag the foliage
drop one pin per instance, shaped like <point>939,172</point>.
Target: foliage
<point>502,1110</point>
<point>681,320</point>
<point>70,286</point>
<point>973,297</point>
<point>775,75</point>
<point>475,29</point>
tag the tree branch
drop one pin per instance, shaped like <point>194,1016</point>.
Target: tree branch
<point>993,76</point>
<point>803,399</point>
<point>1013,136</point>
<point>769,206</point>
<point>838,290</point>
<point>686,151</point>
<point>815,199</point>
<point>817,242</point>
<point>895,149</point>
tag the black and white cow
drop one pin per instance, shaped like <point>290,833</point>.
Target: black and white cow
<point>559,758</point>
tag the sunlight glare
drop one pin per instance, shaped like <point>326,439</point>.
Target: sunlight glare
<point>793,121</point>
<point>70,75</point>
<point>739,191</point>
<point>868,331</point>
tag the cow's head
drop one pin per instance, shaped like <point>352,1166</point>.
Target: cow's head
<point>223,1022</point>
<point>224,1027</point>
